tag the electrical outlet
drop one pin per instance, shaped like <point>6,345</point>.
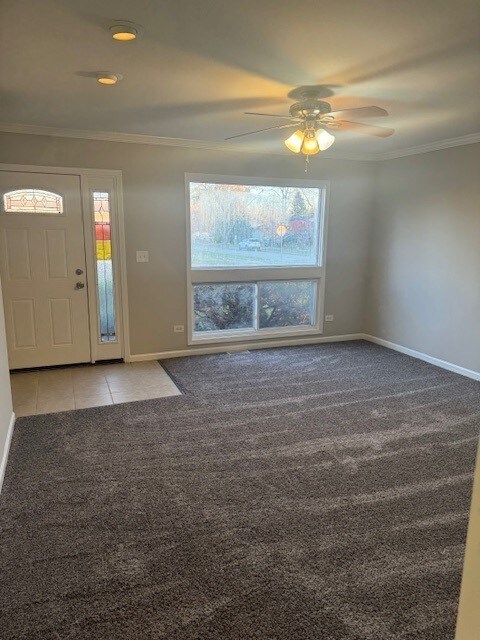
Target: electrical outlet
<point>329,318</point>
<point>142,256</point>
<point>178,328</point>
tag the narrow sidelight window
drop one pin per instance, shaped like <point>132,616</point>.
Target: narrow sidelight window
<point>105,288</point>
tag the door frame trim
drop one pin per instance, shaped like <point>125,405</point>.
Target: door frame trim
<point>118,233</point>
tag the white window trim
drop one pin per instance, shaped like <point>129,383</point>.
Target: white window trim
<point>256,274</point>
<point>106,184</point>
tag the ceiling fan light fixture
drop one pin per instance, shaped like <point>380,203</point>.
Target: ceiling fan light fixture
<point>324,139</point>
<point>295,141</point>
<point>310,145</point>
<point>313,120</point>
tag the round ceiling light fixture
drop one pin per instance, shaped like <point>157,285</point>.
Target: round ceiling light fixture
<point>107,77</point>
<point>125,31</point>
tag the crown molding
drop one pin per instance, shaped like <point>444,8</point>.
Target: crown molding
<point>471,138</point>
<point>136,138</point>
<point>110,136</point>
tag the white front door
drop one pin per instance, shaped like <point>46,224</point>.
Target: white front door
<point>42,268</point>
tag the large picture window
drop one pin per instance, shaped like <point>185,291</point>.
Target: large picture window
<point>239,225</point>
<point>256,257</point>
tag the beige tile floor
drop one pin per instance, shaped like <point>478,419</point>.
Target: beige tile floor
<point>54,390</point>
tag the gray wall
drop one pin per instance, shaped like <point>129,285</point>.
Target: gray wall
<point>424,271</point>
<point>154,194</point>
<point>403,252</point>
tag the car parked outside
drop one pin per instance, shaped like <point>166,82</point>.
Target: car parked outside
<point>251,244</point>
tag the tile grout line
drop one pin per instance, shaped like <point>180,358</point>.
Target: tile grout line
<point>93,394</point>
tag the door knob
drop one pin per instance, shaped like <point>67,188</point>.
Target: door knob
<point>79,285</point>
<point>78,272</point>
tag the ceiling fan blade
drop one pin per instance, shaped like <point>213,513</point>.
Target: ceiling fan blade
<point>367,129</point>
<point>269,115</point>
<point>359,112</point>
<point>250,133</point>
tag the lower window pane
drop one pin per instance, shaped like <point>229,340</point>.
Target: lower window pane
<point>220,307</point>
<point>286,304</point>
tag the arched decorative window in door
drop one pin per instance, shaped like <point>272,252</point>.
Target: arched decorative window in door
<point>36,201</point>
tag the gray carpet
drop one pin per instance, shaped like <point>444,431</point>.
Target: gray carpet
<point>307,493</point>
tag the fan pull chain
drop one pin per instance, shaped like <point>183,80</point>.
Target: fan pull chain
<point>307,160</point>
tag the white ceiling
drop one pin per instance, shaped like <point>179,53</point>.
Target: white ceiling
<point>202,63</point>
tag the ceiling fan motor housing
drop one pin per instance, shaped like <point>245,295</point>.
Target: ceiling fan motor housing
<point>309,109</point>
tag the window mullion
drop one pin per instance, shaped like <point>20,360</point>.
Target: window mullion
<point>256,274</point>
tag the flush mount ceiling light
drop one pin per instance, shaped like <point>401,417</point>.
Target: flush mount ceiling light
<point>107,77</point>
<point>314,119</point>
<point>125,31</point>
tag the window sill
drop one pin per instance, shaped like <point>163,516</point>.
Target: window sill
<point>238,335</point>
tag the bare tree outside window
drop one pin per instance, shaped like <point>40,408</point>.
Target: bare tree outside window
<point>235,225</point>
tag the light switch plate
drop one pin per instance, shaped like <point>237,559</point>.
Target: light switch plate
<point>142,256</point>
<point>178,328</point>
<point>329,318</point>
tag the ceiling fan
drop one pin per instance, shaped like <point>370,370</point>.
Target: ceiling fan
<point>316,122</point>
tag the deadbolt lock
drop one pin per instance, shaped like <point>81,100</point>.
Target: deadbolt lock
<point>78,272</point>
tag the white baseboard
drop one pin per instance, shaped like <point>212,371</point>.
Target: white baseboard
<point>267,344</point>
<point>475,375</point>
<point>6,449</point>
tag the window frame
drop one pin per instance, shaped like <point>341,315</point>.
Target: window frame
<point>256,274</point>
<point>105,184</point>
<point>113,250</point>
